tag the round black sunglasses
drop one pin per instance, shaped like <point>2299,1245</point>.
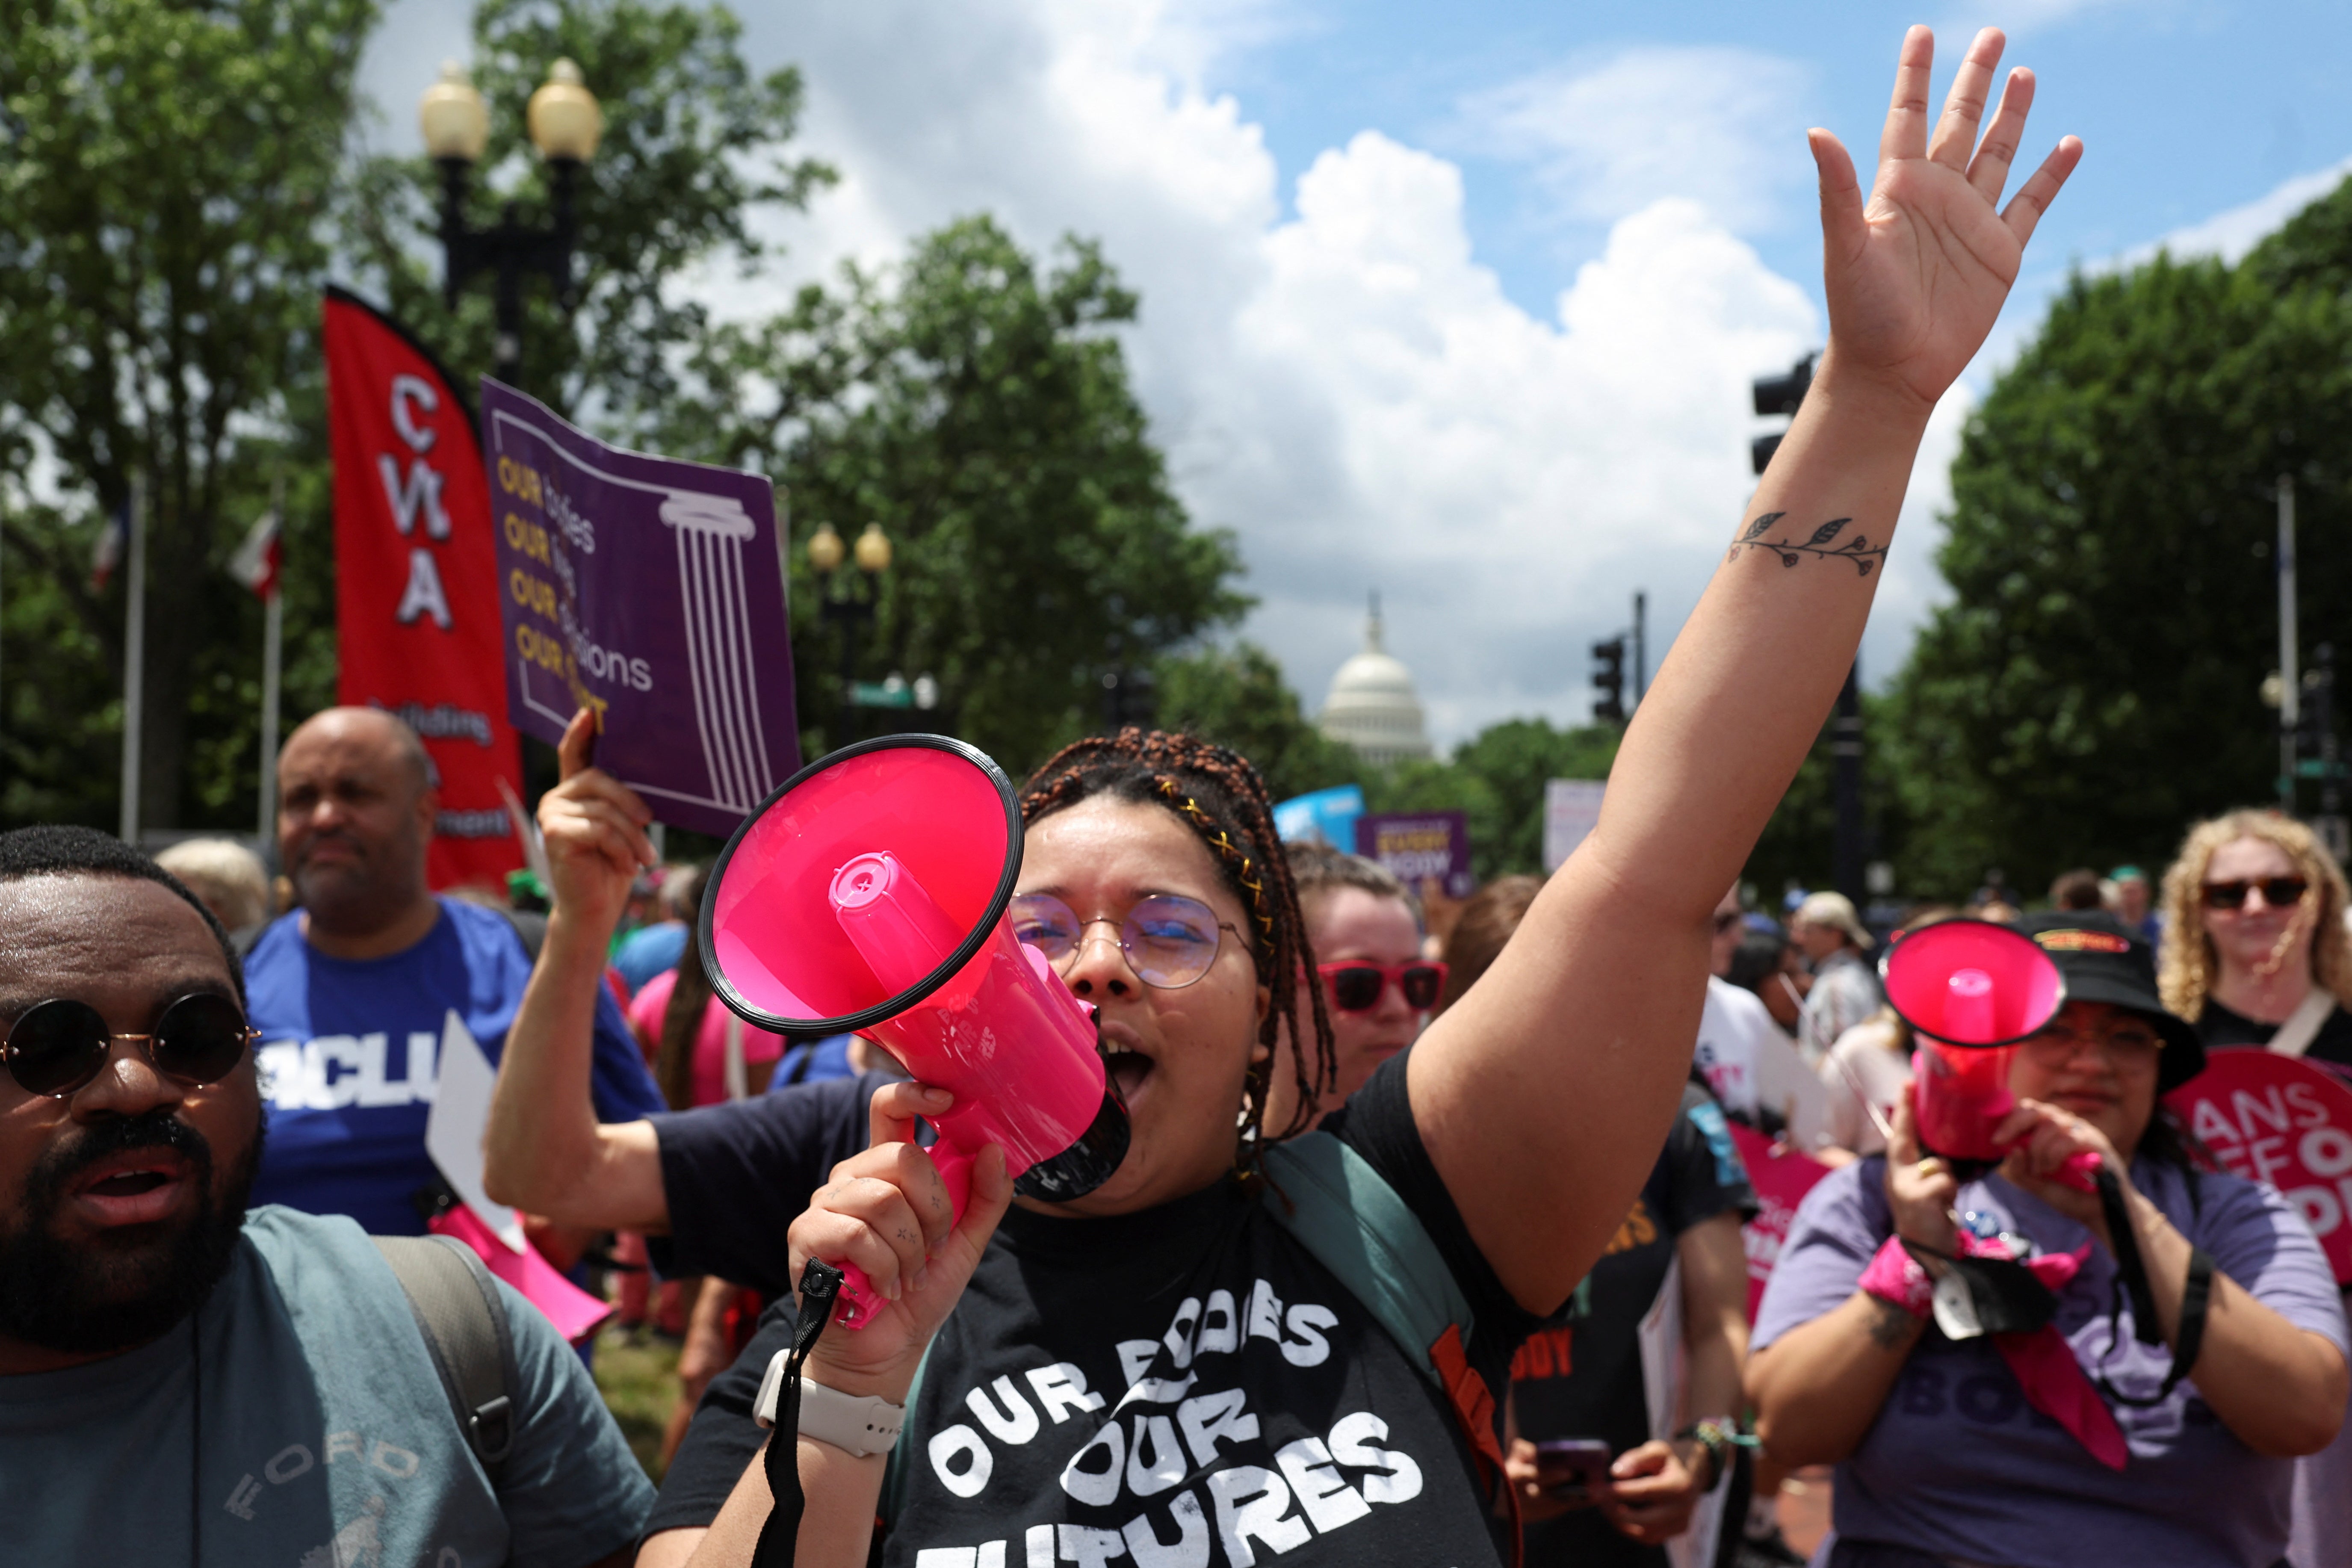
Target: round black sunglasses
<point>57,1046</point>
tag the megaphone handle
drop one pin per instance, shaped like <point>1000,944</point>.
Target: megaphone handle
<point>855,1305</point>
<point>2079,1171</point>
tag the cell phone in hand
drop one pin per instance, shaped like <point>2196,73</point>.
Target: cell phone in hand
<point>1574,1470</point>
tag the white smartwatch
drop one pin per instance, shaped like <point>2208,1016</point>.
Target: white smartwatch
<point>858,1427</point>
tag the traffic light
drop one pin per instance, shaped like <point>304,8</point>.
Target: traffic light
<point>1609,679</point>
<point>1775,395</point>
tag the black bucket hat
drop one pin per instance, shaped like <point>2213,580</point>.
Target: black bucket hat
<point>2105,961</point>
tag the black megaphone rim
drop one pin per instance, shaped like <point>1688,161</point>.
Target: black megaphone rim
<point>981,931</point>
<point>2057,1005</point>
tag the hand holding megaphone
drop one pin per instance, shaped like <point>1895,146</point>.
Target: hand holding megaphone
<point>1973,992</point>
<point>886,1213</point>
<point>869,895</point>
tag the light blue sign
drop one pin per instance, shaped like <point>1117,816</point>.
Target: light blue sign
<point>1328,815</point>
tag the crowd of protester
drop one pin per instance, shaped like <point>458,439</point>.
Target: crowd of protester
<point>238,1323</point>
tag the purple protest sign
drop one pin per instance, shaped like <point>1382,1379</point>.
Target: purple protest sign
<point>1421,847</point>
<point>652,591</point>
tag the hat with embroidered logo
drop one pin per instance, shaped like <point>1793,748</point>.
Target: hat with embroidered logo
<point>2105,961</point>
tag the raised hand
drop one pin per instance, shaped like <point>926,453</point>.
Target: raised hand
<point>1920,1191</point>
<point>1917,275</point>
<point>595,830</point>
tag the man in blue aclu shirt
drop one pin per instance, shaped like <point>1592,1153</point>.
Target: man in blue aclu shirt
<point>351,991</point>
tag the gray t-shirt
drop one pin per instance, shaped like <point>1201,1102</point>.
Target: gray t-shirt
<point>323,1436</point>
<point>1958,1466</point>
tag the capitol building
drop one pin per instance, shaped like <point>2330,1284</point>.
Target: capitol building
<point>1372,707</point>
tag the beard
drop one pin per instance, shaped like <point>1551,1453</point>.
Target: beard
<point>96,1299</point>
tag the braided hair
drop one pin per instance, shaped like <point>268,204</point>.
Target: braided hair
<point>1218,795</point>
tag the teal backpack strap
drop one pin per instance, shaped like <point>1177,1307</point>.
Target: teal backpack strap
<point>1346,1214</point>
<point>894,1469</point>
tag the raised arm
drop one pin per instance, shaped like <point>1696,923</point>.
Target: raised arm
<point>545,1152</point>
<point>1543,1095</point>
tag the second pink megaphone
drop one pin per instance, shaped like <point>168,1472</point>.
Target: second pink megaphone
<point>868,895</point>
<point>1971,990</point>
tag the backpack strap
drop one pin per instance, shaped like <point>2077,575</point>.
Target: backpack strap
<point>464,1324</point>
<point>1345,1212</point>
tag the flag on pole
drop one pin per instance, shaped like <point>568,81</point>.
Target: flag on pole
<point>110,541</point>
<point>255,564</point>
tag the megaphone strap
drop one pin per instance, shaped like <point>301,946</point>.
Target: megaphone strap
<point>780,1536</point>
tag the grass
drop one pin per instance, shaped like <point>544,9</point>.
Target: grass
<point>637,1371</point>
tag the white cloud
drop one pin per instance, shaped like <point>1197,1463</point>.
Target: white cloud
<point>2230,234</point>
<point>1707,123</point>
<point>1349,389</point>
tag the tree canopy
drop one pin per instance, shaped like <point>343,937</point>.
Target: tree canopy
<point>2094,684</point>
<point>177,184</point>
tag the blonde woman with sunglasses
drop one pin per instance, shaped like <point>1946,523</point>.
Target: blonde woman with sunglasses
<point>2255,948</point>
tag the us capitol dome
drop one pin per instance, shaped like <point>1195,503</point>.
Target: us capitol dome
<point>1372,707</point>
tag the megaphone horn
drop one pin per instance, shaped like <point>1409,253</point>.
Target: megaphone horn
<point>868,894</point>
<point>1971,990</point>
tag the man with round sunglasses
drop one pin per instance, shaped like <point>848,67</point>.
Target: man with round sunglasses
<point>187,1379</point>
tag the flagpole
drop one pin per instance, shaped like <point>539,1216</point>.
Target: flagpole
<point>134,658</point>
<point>273,625</point>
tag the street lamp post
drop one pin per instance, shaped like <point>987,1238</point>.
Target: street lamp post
<point>853,606</point>
<point>565,124</point>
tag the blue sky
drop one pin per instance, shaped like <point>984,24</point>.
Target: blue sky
<point>1461,304</point>
<point>2188,106</point>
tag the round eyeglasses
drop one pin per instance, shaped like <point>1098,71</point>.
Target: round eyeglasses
<point>1170,941</point>
<point>58,1045</point>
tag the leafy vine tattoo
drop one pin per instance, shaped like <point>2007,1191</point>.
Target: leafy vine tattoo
<point>1857,550</point>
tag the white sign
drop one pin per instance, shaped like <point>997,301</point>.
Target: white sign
<point>1571,808</point>
<point>461,1115</point>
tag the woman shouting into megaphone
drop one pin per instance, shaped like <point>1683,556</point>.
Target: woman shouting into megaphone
<point>1256,1341</point>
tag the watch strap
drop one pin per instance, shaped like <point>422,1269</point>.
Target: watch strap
<point>861,1426</point>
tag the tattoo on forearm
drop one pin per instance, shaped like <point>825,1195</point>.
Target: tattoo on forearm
<point>1890,1325</point>
<point>1857,550</point>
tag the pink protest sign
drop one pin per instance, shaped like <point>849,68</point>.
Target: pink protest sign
<point>2283,1120</point>
<point>1782,1177</point>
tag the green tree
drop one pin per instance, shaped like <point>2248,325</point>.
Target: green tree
<point>2091,685</point>
<point>694,152</point>
<point>167,173</point>
<point>1236,697</point>
<point>979,409</point>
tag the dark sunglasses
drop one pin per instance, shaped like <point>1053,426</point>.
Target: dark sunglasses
<point>2279,892</point>
<point>61,1045</point>
<point>1356,987</point>
<point>1170,941</point>
<point>1726,918</point>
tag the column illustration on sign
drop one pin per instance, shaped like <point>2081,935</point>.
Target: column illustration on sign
<point>711,532</point>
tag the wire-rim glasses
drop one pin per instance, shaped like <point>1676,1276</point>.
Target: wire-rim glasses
<point>1170,941</point>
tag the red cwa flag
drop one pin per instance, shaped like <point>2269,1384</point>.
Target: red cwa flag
<point>417,585</point>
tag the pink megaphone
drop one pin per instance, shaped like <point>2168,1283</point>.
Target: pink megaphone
<point>1971,990</point>
<point>869,895</point>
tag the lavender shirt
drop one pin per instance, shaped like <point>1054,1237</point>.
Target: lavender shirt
<point>1958,1466</point>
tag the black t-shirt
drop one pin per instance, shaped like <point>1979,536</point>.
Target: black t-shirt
<point>2219,1025</point>
<point>1145,1387</point>
<point>1581,1376</point>
<point>735,1175</point>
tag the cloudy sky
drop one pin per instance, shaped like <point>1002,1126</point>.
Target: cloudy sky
<point>1461,303</point>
